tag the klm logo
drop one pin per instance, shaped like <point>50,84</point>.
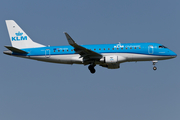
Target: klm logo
<point>111,59</point>
<point>118,45</point>
<point>19,37</point>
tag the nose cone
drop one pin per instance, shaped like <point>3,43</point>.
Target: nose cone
<point>173,54</point>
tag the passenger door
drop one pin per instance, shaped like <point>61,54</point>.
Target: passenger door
<point>150,49</point>
<point>47,53</point>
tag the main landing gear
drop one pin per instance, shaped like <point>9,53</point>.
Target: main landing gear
<point>154,63</point>
<point>91,68</point>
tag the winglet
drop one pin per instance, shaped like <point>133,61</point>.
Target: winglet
<point>70,40</point>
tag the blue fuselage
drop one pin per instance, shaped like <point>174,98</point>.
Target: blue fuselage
<point>133,48</point>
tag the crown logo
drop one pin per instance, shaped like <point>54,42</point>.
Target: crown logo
<point>18,34</point>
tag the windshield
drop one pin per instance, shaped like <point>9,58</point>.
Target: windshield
<point>162,46</point>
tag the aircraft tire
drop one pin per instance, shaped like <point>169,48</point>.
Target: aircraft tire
<point>91,68</point>
<point>93,71</point>
<point>154,68</point>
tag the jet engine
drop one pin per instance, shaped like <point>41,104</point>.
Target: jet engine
<point>112,62</point>
<point>112,59</point>
<point>111,65</point>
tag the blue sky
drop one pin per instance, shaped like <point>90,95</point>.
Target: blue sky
<point>45,91</point>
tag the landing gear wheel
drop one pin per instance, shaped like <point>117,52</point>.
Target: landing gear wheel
<point>92,71</point>
<point>154,68</point>
<point>91,68</point>
<point>154,63</point>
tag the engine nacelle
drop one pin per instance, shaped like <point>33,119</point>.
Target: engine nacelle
<point>109,59</point>
<point>112,59</point>
<point>111,65</point>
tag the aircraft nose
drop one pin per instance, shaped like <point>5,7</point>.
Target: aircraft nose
<point>173,54</point>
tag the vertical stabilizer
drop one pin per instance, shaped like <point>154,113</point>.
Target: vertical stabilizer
<point>18,37</point>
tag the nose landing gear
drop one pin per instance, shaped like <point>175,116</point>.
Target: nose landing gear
<point>154,63</point>
<point>154,68</point>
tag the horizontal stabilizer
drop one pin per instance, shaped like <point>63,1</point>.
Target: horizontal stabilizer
<point>16,50</point>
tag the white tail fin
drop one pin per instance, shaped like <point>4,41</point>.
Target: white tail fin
<point>18,37</point>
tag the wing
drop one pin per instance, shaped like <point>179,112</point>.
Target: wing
<point>84,52</point>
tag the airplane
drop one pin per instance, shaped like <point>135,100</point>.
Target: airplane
<point>106,55</point>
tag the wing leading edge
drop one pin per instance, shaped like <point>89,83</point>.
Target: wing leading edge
<point>84,52</point>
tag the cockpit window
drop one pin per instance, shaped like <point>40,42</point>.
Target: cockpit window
<point>161,46</point>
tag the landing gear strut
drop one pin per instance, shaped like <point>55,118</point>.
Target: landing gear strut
<point>154,63</point>
<point>91,68</point>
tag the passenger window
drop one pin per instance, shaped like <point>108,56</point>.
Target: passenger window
<point>67,50</point>
<point>130,47</point>
<point>72,50</point>
<point>117,48</point>
<point>94,49</point>
<point>108,48</point>
<point>58,50</point>
<point>134,47</point>
<point>113,49</point>
<point>126,48</point>
<point>63,50</point>
<point>139,47</point>
<point>104,49</point>
<point>122,48</point>
<point>99,48</point>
